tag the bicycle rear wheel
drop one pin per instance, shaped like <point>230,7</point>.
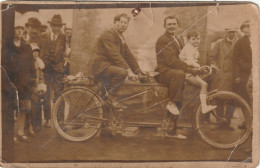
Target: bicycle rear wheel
<point>77,114</point>
<point>229,125</point>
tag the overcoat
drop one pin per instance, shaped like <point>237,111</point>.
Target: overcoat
<point>220,56</point>
<point>22,69</point>
<point>242,65</point>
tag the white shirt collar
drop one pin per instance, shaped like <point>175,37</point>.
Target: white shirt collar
<point>54,35</point>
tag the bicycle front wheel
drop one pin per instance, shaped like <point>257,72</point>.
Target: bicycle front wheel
<point>229,125</point>
<point>77,114</point>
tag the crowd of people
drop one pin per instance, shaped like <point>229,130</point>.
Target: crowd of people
<point>38,59</point>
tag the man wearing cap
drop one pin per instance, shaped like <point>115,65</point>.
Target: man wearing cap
<point>219,57</point>
<point>52,53</point>
<point>242,61</point>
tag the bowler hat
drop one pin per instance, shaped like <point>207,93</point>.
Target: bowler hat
<point>56,20</point>
<point>34,22</point>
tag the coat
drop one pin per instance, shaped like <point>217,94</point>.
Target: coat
<point>220,56</point>
<point>52,52</point>
<point>220,52</point>
<point>22,69</point>
<point>167,53</point>
<point>109,50</point>
<point>242,57</point>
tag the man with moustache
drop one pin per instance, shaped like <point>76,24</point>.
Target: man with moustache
<point>113,61</point>
<point>172,69</point>
<point>52,53</point>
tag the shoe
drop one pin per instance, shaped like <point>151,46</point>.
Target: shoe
<point>23,138</point>
<point>242,126</point>
<point>172,108</point>
<point>208,108</point>
<point>32,133</point>
<point>47,124</point>
<point>106,133</point>
<point>223,127</point>
<point>15,140</point>
<point>176,136</point>
<point>37,129</point>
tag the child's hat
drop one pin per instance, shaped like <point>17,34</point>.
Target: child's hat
<point>35,47</point>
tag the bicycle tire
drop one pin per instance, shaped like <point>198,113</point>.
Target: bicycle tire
<point>248,120</point>
<point>58,103</point>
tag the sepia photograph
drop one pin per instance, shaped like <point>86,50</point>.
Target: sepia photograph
<point>130,84</point>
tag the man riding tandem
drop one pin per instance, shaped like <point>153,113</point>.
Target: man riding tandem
<point>113,62</point>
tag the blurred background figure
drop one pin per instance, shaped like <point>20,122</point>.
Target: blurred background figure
<point>22,70</point>
<point>242,60</point>
<point>68,34</point>
<point>52,54</point>
<point>220,57</point>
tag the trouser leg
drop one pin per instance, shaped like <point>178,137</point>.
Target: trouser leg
<point>47,98</point>
<point>36,114</point>
<point>112,79</point>
<point>175,80</point>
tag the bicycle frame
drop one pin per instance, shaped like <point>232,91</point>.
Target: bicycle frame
<point>139,124</point>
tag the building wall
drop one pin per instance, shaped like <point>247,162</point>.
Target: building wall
<point>141,36</point>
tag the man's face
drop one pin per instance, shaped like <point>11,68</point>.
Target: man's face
<point>246,30</point>
<point>56,29</point>
<point>231,35</point>
<point>19,32</point>
<point>171,26</point>
<point>121,25</point>
<point>194,41</point>
<point>33,31</point>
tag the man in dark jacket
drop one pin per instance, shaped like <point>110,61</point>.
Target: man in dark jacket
<point>113,60</point>
<point>242,61</point>
<point>172,69</point>
<point>52,53</point>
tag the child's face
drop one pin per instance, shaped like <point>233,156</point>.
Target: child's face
<point>194,41</point>
<point>35,54</point>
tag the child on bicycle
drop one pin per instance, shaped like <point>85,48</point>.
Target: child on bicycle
<point>190,55</point>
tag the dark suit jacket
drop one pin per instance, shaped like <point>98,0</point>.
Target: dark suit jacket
<point>52,52</point>
<point>242,57</point>
<point>110,50</point>
<point>167,54</point>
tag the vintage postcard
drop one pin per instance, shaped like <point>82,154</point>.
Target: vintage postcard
<point>129,84</point>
